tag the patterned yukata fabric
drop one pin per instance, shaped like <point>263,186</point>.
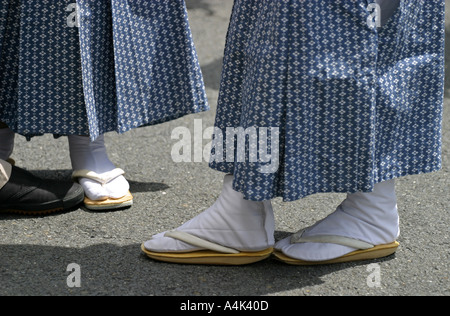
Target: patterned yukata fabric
<point>353,105</point>
<point>87,67</point>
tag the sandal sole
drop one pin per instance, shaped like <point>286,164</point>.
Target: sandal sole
<point>210,257</point>
<point>377,252</point>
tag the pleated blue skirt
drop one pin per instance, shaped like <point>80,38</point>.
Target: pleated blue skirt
<point>87,67</point>
<point>348,104</point>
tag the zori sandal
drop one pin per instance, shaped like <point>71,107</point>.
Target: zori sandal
<point>365,250</point>
<point>210,253</point>
<point>108,203</point>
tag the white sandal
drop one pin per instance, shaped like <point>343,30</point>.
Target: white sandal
<point>213,254</point>
<point>365,250</point>
<point>109,203</point>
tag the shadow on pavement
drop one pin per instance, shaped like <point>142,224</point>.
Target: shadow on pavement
<point>107,269</point>
<point>135,186</point>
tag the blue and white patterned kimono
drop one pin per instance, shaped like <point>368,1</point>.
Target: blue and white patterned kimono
<point>106,66</point>
<point>352,104</point>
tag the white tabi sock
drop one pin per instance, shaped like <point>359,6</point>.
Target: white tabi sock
<point>92,156</point>
<point>368,217</point>
<point>231,222</point>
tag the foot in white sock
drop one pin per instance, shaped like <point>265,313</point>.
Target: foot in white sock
<point>368,217</point>
<point>6,143</point>
<point>92,156</point>
<point>232,222</point>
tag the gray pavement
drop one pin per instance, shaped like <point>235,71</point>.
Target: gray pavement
<point>36,251</point>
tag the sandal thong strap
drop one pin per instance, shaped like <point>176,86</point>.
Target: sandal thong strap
<point>331,239</point>
<point>103,178</point>
<point>198,242</point>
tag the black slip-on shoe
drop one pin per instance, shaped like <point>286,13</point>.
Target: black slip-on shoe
<point>29,195</point>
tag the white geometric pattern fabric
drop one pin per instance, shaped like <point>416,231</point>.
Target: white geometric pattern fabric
<point>354,105</point>
<point>109,66</point>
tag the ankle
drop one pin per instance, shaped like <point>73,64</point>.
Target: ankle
<point>377,211</point>
<point>87,155</point>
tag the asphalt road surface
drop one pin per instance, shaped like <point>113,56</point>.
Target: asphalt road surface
<point>36,252</point>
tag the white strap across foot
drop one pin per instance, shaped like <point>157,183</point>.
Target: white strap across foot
<point>100,187</point>
<point>198,242</point>
<point>103,178</point>
<point>298,238</point>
